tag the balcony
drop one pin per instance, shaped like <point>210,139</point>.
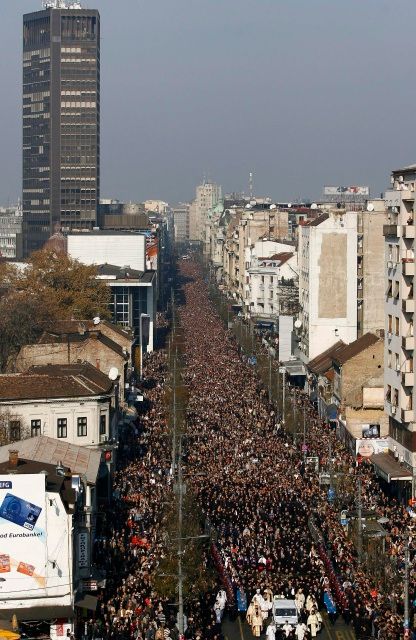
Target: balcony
<point>408,378</point>
<point>407,415</point>
<point>391,230</point>
<point>408,343</point>
<point>408,266</point>
<point>408,231</point>
<point>408,306</point>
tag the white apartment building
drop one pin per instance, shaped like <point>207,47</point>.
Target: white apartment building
<point>341,282</point>
<point>399,378</point>
<point>11,232</point>
<point>272,281</point>
<point>71,403</point>
<point>327,282</point>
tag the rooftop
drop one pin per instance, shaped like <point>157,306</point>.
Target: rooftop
<point>54,381</point>
<point>354,348</point>
<point>323,362</point>
<point>124,273</point>
<point>50,451</point>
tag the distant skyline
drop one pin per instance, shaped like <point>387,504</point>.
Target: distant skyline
<point>303,93</point>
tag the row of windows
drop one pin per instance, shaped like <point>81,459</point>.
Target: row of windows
<point>62,427</point>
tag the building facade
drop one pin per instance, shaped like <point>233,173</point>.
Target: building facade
<point>61,121</point>
<point>11,232</point>
<point>208,195</point>
<point>399,355</point>
<point>341,282</point>
<point>181,222</point>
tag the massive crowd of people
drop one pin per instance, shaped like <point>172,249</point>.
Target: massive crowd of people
<point>254,488</point>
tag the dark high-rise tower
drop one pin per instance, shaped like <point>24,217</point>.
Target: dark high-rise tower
<point>61,120</point>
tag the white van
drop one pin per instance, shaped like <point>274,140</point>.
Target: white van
<point>284,611</point>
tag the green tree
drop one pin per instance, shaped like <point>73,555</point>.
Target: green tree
<point>53,287</point>
<point>70,287</point>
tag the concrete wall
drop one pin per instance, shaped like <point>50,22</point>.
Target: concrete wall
<point>356,418</point>
<point>359,371</point>
<point>373,271</point>
<point>331,284</point>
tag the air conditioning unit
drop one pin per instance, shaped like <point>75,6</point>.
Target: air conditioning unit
<point>103,438</point>
<point>390,264</point>
<point>393,409</point>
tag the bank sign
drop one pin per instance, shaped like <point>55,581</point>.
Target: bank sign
<point>22,535</point>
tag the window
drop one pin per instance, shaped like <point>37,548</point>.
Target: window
<point>388,393</point>
<point>389,359</point>
<point>81,426</point>
<point>389,288</point>
<point>390,329</point>
<point>14,430</point>
<point>396,326</point>
<point>62,430</point>
<point>35,428</point>
<point>396,362</point>
<point>395,397</point>
<point>103,424</point>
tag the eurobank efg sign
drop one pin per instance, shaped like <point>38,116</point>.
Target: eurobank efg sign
<point>22,535</point>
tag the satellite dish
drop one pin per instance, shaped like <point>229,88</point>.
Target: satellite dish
<point>96,320</point>
<point>370,207</point>
<point>113,373</point>
<point>298,324</point>
<point>289,205</point>
<point>272,207</point>
<point>314,205</point>
<point>248,206</point>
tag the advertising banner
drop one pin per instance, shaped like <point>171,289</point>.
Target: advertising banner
<point>367,447</point>
<point>350,191</point>
<point>22,535</point>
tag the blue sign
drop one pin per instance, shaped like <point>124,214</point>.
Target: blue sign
<point>331,495</point>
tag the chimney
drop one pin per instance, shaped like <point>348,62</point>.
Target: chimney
<point>13,458</point>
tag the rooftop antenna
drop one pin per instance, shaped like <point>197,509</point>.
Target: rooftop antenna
<point>250,184</point>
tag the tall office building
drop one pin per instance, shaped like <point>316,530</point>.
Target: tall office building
<point>61,120</point>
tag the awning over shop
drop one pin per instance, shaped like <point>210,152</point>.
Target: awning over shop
<point>388,468</point>
<point>294,368</point>
<point>87,602</point>
<point>50,612</point>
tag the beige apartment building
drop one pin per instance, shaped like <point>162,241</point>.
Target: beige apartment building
<point>208,195</point>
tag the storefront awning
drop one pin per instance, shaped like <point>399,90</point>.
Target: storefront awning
<point>388,468</point>
<point>87,602</point>
<point>50,612</point>
<point>294,368</point>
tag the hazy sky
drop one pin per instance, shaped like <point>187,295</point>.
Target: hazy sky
<point>302,92</point>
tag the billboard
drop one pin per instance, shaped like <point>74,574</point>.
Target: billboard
<point>22,535</point>
<point>367,447</point>
<point>349,191</point>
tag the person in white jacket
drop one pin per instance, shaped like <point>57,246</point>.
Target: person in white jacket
<point>300,631</point>
<point>271,631</point>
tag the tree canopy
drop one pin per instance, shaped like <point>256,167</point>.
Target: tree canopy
<point>52,287</point>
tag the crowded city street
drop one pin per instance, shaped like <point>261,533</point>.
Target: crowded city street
<point>274,536</point>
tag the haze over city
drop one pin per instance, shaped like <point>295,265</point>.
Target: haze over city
<point>222,88</point>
